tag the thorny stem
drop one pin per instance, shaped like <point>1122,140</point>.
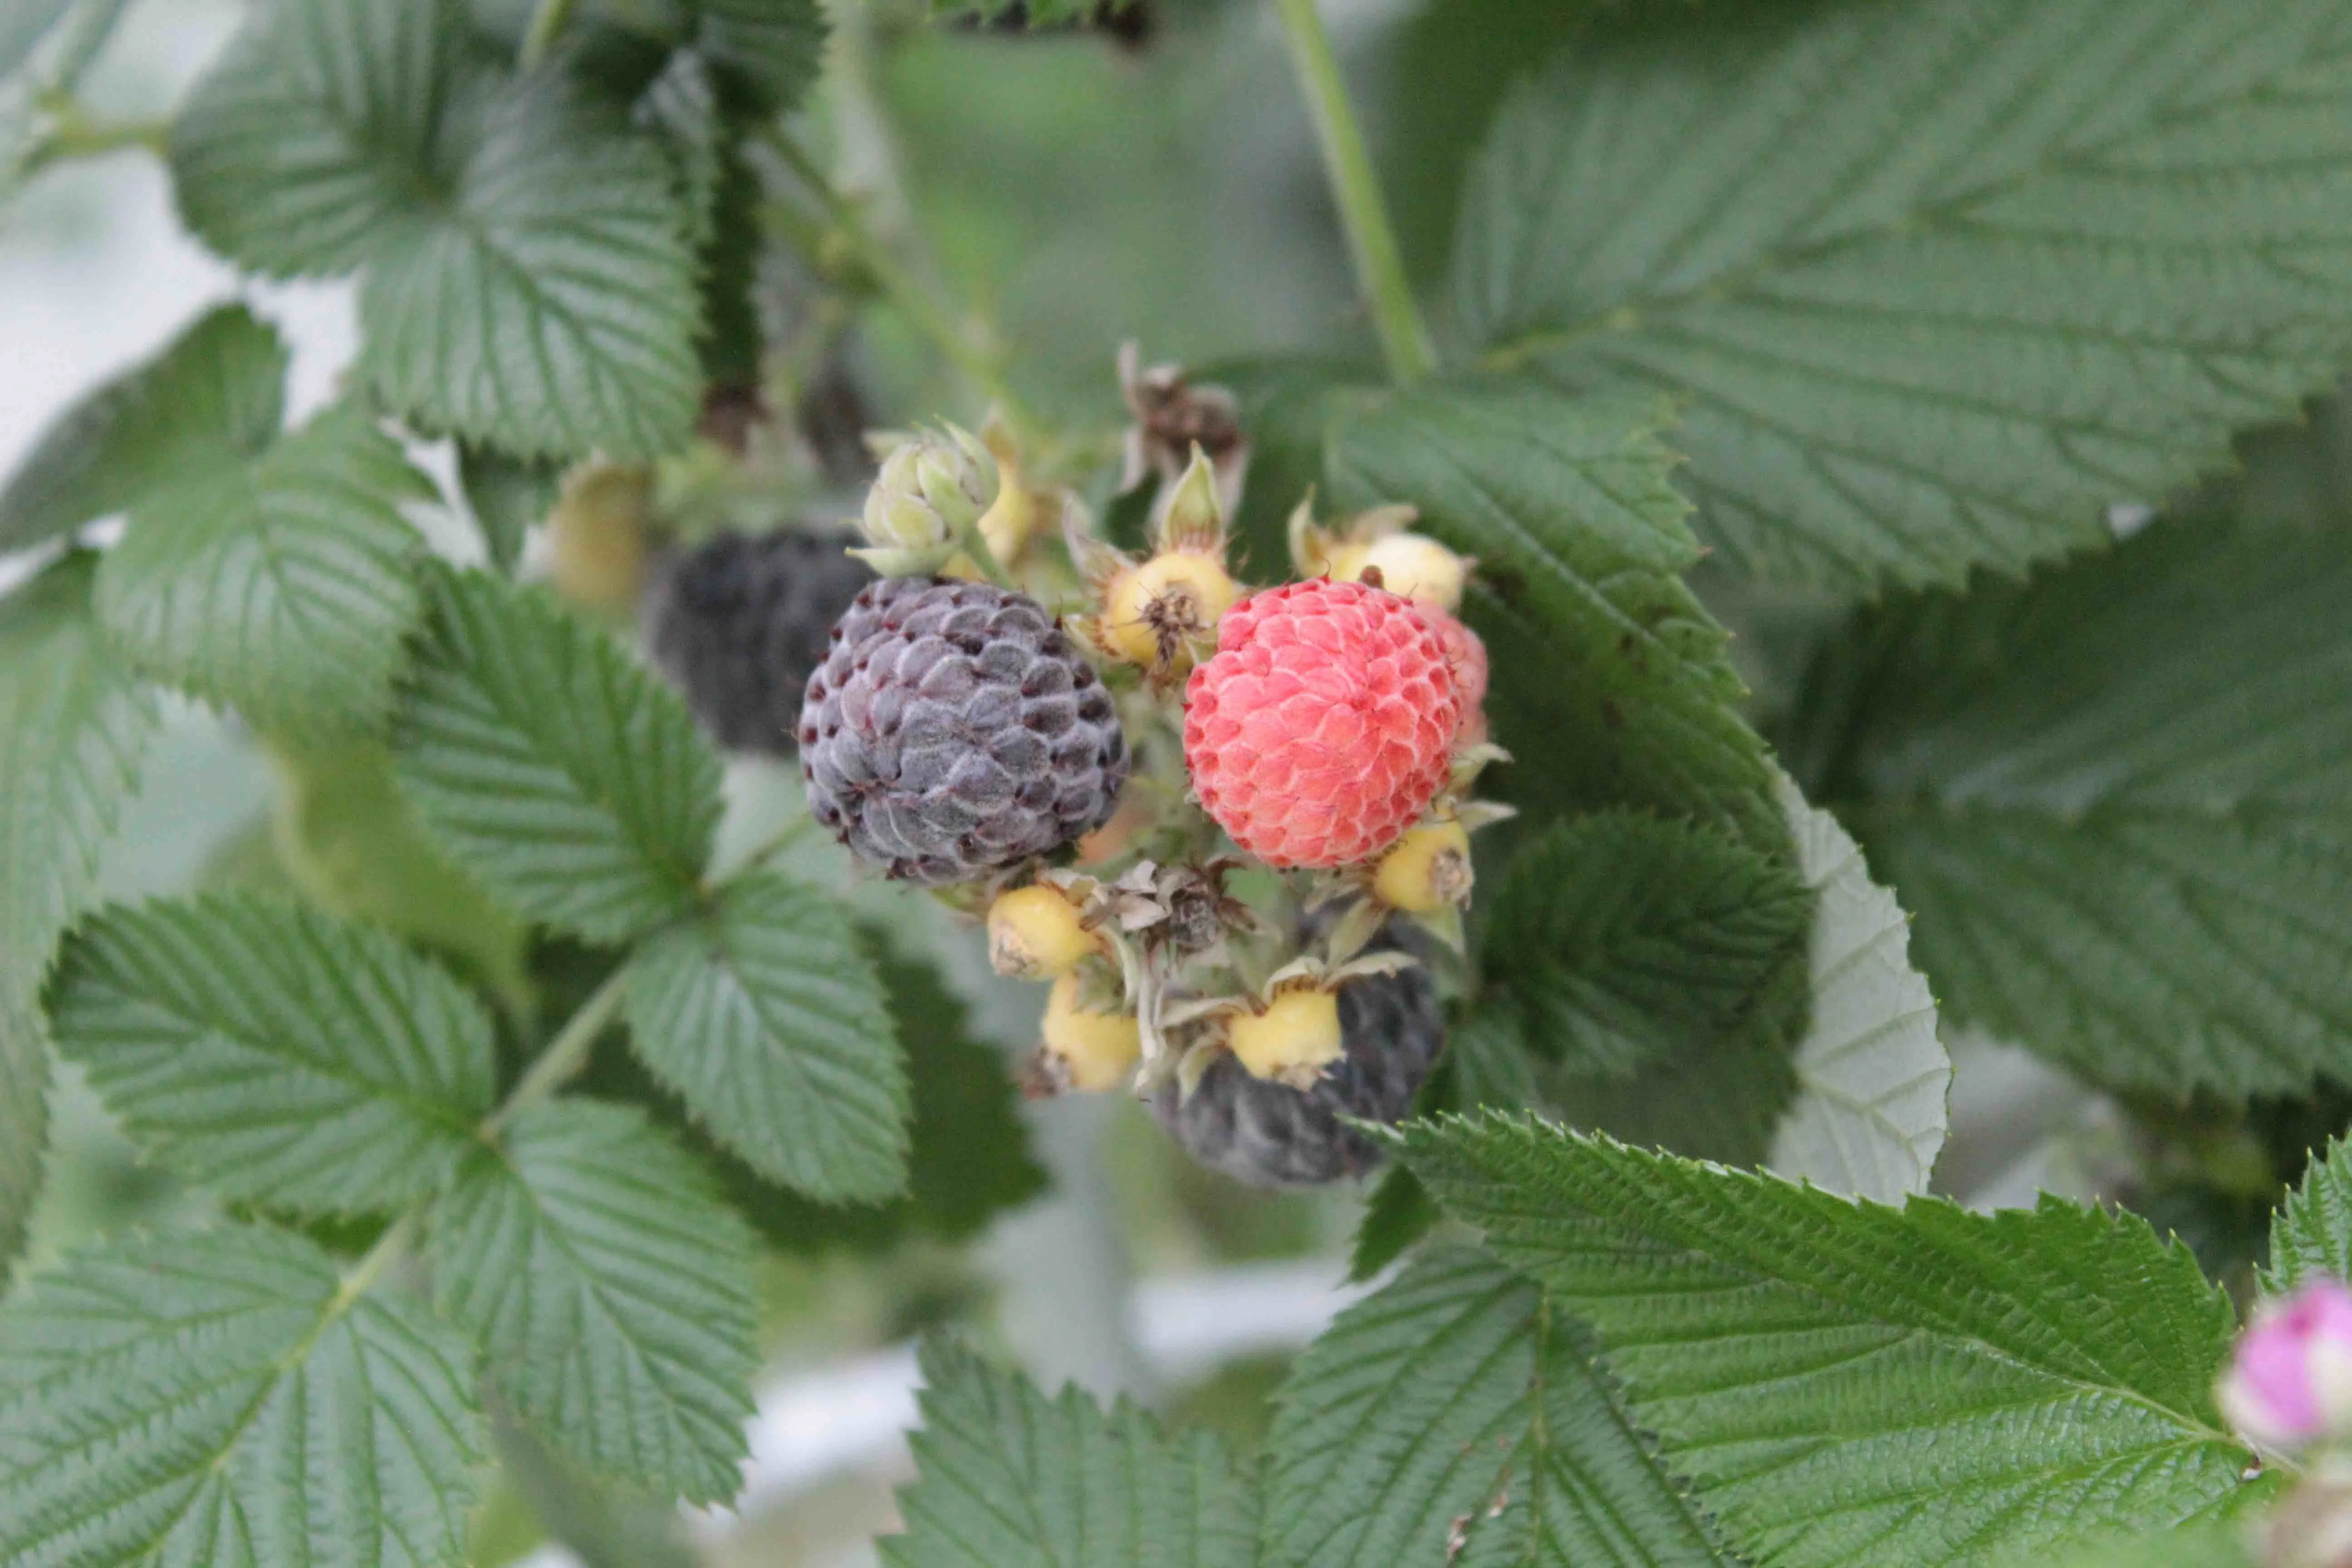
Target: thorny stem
<point>1371,242</point>
<point>546,24</point>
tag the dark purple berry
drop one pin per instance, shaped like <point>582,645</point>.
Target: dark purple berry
<point>954,730</point>
<point>1269,1135</point>
<point>739,623</point>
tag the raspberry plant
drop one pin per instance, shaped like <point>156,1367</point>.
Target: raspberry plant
<point>1341,736</point>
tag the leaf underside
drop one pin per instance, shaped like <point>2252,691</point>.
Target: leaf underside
<point>2116,799</point>
<point>1872,1073</point>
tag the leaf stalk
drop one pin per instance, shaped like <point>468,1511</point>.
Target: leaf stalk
<point>1371,239</point>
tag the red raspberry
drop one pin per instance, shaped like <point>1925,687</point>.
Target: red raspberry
<point>1325,724</point>
<point>1465,655</point>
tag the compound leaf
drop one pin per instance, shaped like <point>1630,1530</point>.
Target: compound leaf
<point>612,1292</point>
<point>766,1018</point>
<point>1012,1479</point>
<point>1455,1416</point>
<point>560,774</point>
<point>214,1398</point>
<point>1933,284</point>
<point>276,1053</point>
<point>1850,1383</point>
<point>1612,684</point>
<point>528,278</point>
<point>281,585</point>
<point>1872,1073</point>
<point>2114,798</point>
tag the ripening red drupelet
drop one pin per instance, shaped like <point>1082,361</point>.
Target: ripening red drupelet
<point>1325,724</point>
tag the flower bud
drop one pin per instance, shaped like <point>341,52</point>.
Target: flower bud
<point>1035,933</point>
<point>930,491</point>
<point>2290,1380</point>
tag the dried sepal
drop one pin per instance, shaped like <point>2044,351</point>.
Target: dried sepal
<point>1171,418</point>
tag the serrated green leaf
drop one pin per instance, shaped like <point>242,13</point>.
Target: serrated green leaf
<point>282,586</point>
<point>1454,1416</point>
<point>1852,1384</point>
<point>1934,284</point>
<point>612,1292</point>
<point>766,1018</point>
<point>275,1054</point>
<point>970,1159</point>
<point>1619,937</point>
<point>765,54</point>
<point>214,1400</point>
<point>508,497</point>
<point>1612,684</point>
<point>2198,1546</point>
<point>23,1123</point>
<point>2311,1235</point>
<point>553,313</point>
<point>1872,1073</point>
<point>2115,799</point>
<point>1012,1479</point>
<point>73,730</point>
<point>1398,1214</point>
<point>563,776</point>
<point>527,276</point>
<point>74,726</point>
<point>214,396</point>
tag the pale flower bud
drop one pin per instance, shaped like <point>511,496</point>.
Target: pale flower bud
<point>2290,1380</point>
<point>931,490</point>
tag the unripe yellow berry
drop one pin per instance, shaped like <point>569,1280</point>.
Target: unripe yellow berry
<point>1294,1039</point>
<point>1429,870</point>
<point>1175,595</point>
<point>1409,565</point>
<point>1089,1051</point>
<point>597,535</point>
<point>1034,933</point>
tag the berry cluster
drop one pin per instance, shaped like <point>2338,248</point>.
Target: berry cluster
<point>1225,826</point>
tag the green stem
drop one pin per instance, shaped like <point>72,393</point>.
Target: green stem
<point>1371,242</point>
<point>565,1055</point>
<point>546,25</point>
<point>71,132</point>
<point>389,1248</point>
